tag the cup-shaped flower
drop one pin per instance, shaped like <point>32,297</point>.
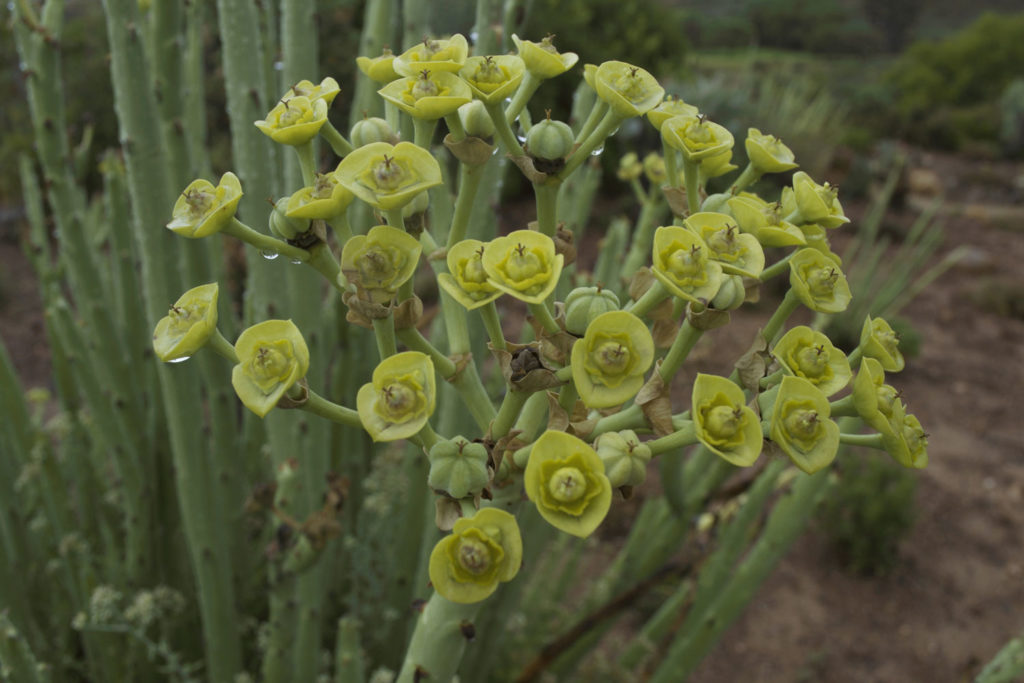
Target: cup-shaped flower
<point>481,552</point>
<point>696,137</point>
<point>380,261</point>
<point>188,325</point>
<point>466,279</point>
<point>542,59</point>
<point>609,363</point>
<point>801,426</point>
<point>630,167</point>
<point>810,354</point>
<point>566,481</point>
<point>717,165</point>
<point>325,199</point>
<point>458,467</point>
<point>818,203</point>
<point>879,341</point>
<point>202,209</point>
<point>682,262</point>
<point>447,54</point>
<point>380,68</point>
<point>909,447</point>
<point>628,90</point>
<point>767,153</point>
<point>400,398</point>
<point>583,304</point>
<point>818,282</point>
<point>429,95</point>
<point>668,108</point>
<point>739,253</point>
<point>388,176</point>
<point>294,121</point>
<point>523,264</point>
<point>272,356</point>
<point>327,90</point>
<point>493,78</point>
<point>724,422</point>
<point>625,457</point>
<point>765,221</point>
<point>654,169</point>
<point>877,403</point>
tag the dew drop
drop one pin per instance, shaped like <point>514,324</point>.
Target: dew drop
<point>473,35</point>
<point>278,66</point>
<point>597,152</point>
<point>179,360</point>
<point>268,254</point>
<point>295,262</point>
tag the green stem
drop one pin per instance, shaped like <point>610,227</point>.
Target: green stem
<point>685,339</point>
<point>455,129</point>
<point>547,207</point>
<point>691,173</point>
<point>854,356</point>
<point>240,230</point>
<point>322,259</point>
<point>608,125</point>
<point>868,440</point>
<point>318,405</point>
<point>306,162</point>
<point>339,144</point>
<point>395,219</point>
<point>786,307</point>
<point>221,346</point>
<point>543,315</point>
<point>776,268</point>
<point>469,183</point>
<point>844,407</point>
<point>648,300</point>
<point>749,176</point>
<point>424,131</point>
<point>438,641</point>
<point>511,405</point>
<point>412,338</point>
<point>598,111</point>
<point>685,436</point>
<point>671,157</point>
<point>492,323</point>
<point>567,396</point>
<point>384,331</point>
<point>471,389</point>
<point>629,418</point>
<point>527,87</point>
<point>349,666</point>
<point>503,130</point>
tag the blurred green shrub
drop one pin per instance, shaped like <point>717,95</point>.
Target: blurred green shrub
<point>869,511</point>
<point>1011,130</point>
<point>821,26</point>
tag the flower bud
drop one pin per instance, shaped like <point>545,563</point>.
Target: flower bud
<point>370,130</point>
<point>731,294</point>
<point>284,226</point>
<point>625,457</point>
<point>458,467</point>
<point>630,167</point>
<point>475,120</point>
<point>583,304</point>
<point>549,140</point>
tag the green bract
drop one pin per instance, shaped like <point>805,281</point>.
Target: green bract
<point>475,119</point>
<point>188,324</point>
<point>372,129</point>
<point>481,552</point>
<point>437,55</point>
<point>325,199</point>
<point>809,354</point>
<point>583,304</point>
<point>696,137</point>
<point>458,467</point>
<point>909,447</point>
<point>877,403</point>
<point>523,264</point>
<point>400,398</point>
<point>294,121</point>
<point>818,282</point>
<point>380,69</point>
<point>767,153</point>
<point>380,261</point>
<point>542,59</point>
<point>764,221</point>
<point>681,261</point>
<point>203,209</point>
<point>430,95</point>
<point>625,457</point>
<point>739,253</point>
<point>717,164</point>
<point>493,78</point>
<point>669,108</point>
<point>609,363</point>
<point>566,481</point>
<point>388,176</point>
<point>326,91</point>
<point>628,89</point>
<point>879,341</point>
<point>800,425</point>
<point>467,280</point>
<point>272,356</point>
<point>724,422</point>
<point>817,203</point>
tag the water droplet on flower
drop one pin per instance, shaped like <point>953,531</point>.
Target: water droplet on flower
<point>473,35</point>
<point>295,262</point>
<point>278,66</point>
<point>268,254</point>
<point>179,360</point>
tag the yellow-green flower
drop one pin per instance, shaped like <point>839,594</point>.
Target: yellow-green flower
<point>327,90</point>
<point>910,445</point>
<point>294,121</point>
<point>724,422</point>
<point>481,552</point>
<point>203,209</point>
<point>654,169</point>
<point>625,457</point>
<point>189,323</point>
<point>590,75</point>
<point>696,137</point>
<point>542,59</point>
<point>400,398</point>
<point>877,403</point>
<point>739,253</point>
<point>717,165</point>
<point>523,264</point>
<point>380,261</point>
<point>682,262</point>
<point>429,95</point>
<point>437,55</point>
<point>630,167</point>
<point>767,153</point>
<point>668,108</point>
<point>817,203</point>
<point>325,199</point>
<point>566,481</point>
<point>466,279</point>
<point>818,282</point>
<point>272,356</point>
<point>809,354</point>
<point>493,78</point>
<point>765,221</point>
<point>388,176</point>
<point>801,425</point>
<point>879,341</point>
<point>628,90</point>
<point>609,363</point>
<point>380,69</point>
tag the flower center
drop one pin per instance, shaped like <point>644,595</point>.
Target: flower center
<point>889,340</point>
<point>567,485</point>
<point>199,203</point>
<point>425,86</point>
<point>474,556</point>
<point>375,264</point>
<point>686,263</point>
<point>887,397</point>
<point>828,193</point>
<point>323,186</point>
<point>821,281</point>
<point>270,366</point>
<point>388,175</point>
<point>290,116</point>
<point>723,242</point>
<point>397,399</point>
<point>488,71</point>
<point>522,264</point>
<point>611,357</point>
<point>802,424</point>
<point>723,421</point>
<point>473,271</point>
<point>812,361</point>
